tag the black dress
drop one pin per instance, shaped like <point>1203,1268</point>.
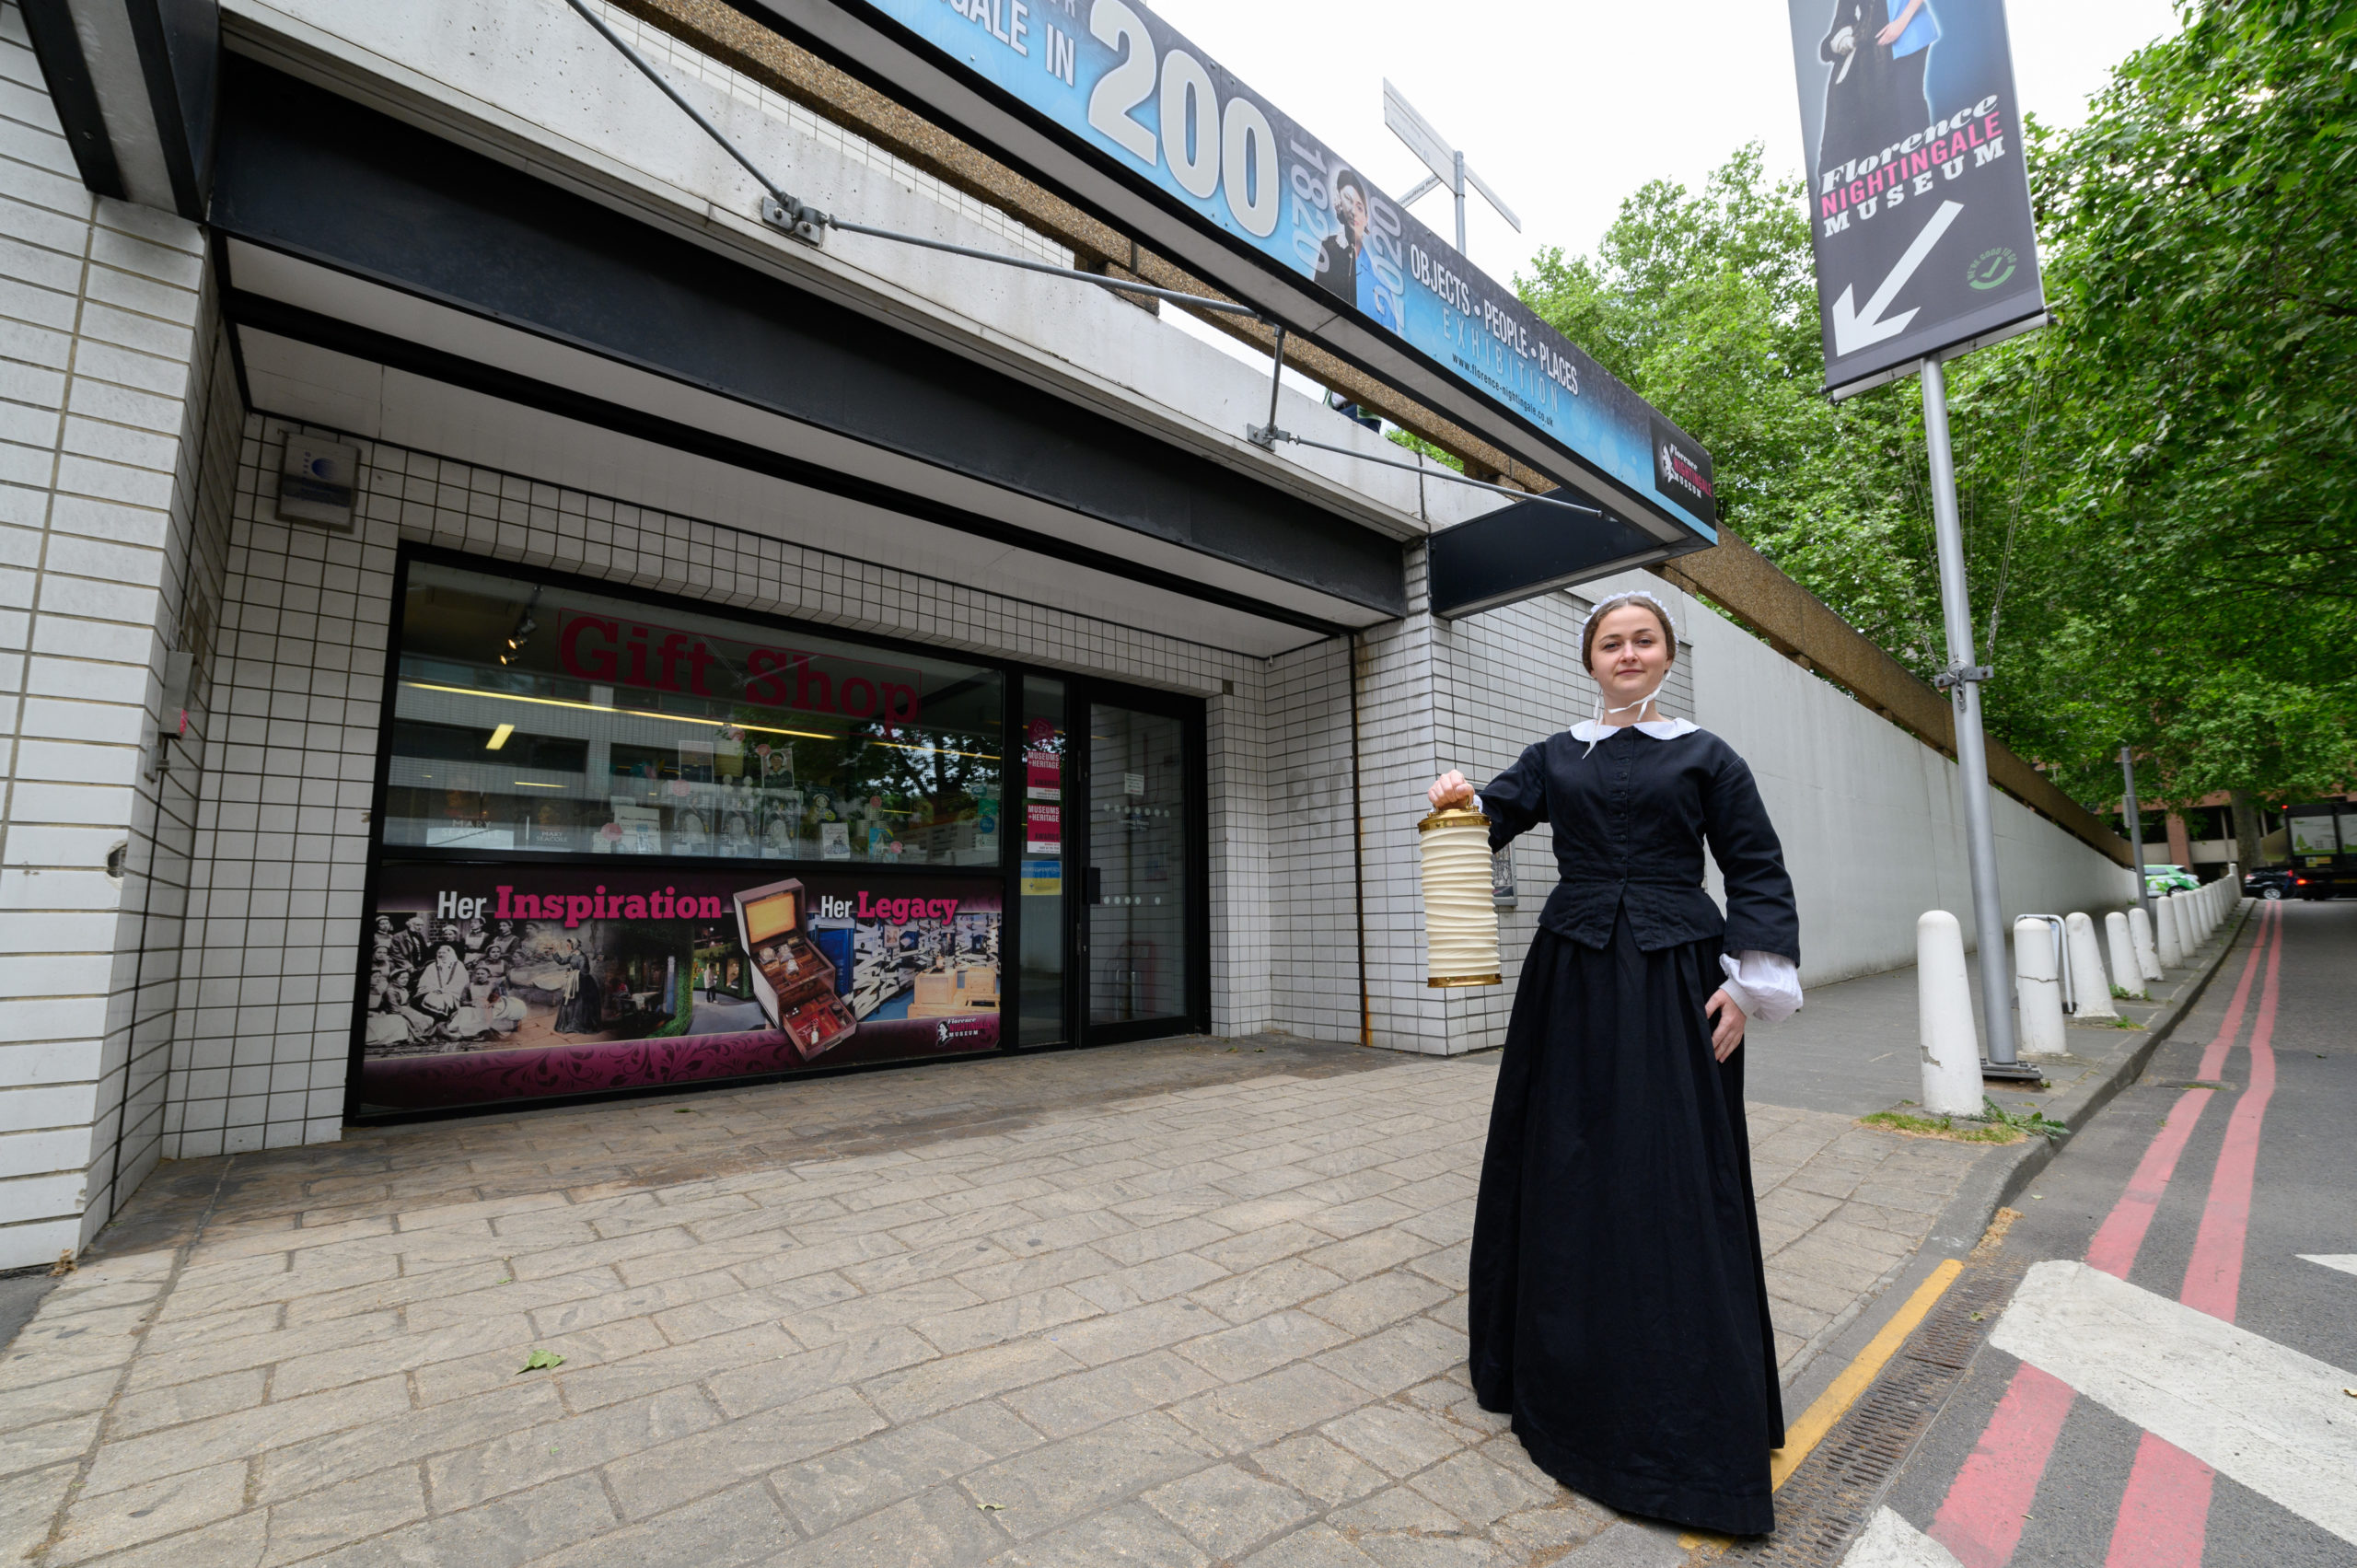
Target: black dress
<point>1618,1310</point>
<point>1879,99</point>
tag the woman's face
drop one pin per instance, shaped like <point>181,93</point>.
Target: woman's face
<point>1630,655</point>
<point>1350,208</point>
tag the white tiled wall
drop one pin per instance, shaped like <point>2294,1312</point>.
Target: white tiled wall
<point>1432,695</point>
<point>266,1023</point>
<point>265,1027</point>
<point>107,385</point>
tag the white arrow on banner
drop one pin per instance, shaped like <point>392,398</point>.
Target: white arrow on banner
<point>1852,329</point>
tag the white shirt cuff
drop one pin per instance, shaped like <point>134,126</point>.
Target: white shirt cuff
<point>1766,986</point>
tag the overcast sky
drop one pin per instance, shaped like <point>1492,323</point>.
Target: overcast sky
<point>1566,109</point>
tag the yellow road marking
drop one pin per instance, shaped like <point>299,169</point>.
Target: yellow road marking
<point>1832,1404</point>
<point>1806,1433</point>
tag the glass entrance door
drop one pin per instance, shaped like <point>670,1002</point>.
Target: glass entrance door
<point>1138,932</point>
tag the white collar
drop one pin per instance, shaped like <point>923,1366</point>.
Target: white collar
<point>1595,730</point>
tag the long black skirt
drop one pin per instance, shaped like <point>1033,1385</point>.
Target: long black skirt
<point>1619,1309</point>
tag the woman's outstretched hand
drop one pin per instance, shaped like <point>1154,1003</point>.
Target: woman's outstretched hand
<point>1726,1024</point>
<point>1449,791</point>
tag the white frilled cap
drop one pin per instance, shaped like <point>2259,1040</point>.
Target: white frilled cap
<point>1614,601</point>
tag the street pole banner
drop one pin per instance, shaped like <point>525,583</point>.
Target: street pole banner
<point>1919,196</point>
<point>1112,81</point>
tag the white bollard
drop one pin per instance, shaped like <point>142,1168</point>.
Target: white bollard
<point>2168,934</point>
<point>2126,972</point>
<point>1944,1017</point>
<point>2038,988</point>
<point>2148,951</point>
<point>2091,991</point>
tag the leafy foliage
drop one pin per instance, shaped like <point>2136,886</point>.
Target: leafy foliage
<point>2157,493</point>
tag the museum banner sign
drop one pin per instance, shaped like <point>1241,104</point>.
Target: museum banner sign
<point>1918,198</point>
<point>1106,102</point>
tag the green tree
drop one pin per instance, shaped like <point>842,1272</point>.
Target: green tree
<point>2155,493</point>
<point>2199,226</point>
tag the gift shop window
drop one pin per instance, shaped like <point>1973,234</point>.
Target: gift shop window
<point>535,718</point>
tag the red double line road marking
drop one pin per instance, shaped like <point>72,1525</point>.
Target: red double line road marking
<point>2213,1279</point>
<point>1980,1519</point>
<point>2116,1245</point>
<point>2165,1515</point>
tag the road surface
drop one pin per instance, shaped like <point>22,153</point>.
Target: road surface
<point>2174,1382</point>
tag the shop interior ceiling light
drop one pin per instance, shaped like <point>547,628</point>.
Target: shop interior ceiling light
<point>1460,921</point>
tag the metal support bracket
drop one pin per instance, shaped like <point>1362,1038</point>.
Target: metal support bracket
<point>790,216</point>
<point>806,223</point>
<point>2011,1071</point>
<point>1265,436</point>
<point>1959,674</point>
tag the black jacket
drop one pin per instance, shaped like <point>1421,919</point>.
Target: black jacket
<point>1630,820</point>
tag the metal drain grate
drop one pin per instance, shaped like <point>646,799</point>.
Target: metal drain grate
<point>1824,1506</point>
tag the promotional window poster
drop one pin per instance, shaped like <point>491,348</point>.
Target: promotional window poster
<point>495,983</point>
<point>1919,197</point>
<point>1121,79</point>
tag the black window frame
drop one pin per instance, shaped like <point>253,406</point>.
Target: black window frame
<point>1190,710</point>
<point>1081,692</point>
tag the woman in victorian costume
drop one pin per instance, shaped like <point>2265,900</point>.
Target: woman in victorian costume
<point>1618,1310</point>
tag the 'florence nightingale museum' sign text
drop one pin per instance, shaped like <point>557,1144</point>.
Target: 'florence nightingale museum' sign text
<point>1106,100</point>
<point>1919,204</point>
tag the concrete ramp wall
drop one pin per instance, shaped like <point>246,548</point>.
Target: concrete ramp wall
<point>1872,819</point>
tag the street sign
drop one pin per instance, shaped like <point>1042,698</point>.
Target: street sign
<point>1450,171</point>
<point>1105,102</point>
<point>1918,198</point>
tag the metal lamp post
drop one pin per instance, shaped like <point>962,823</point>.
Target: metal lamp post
<point>1961,681</point>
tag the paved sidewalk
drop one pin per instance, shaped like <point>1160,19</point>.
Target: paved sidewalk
<point>1176,1303</point>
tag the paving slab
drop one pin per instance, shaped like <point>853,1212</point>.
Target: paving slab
<point>1192,1302</point>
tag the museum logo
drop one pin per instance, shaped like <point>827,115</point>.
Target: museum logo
<point>1682,471</point>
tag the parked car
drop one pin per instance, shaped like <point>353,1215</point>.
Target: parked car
<point>2272,883</point>
<point>2160,879</point>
